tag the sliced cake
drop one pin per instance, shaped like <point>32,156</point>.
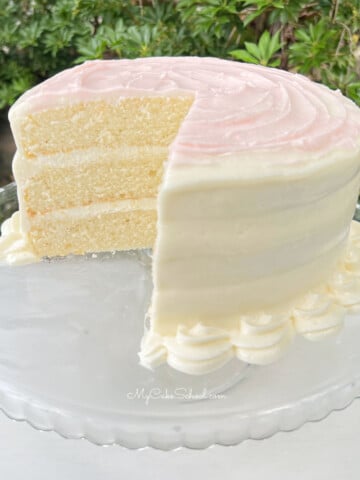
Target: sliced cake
<point>243,178</point>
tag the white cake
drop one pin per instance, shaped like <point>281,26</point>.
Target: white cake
<point>243,178</point>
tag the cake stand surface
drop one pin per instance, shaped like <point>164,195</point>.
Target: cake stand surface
<point>69,335</point>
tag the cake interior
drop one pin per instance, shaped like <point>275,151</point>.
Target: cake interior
<point>93,179</point>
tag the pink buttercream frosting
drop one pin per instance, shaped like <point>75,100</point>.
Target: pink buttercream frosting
<point>237,107</point>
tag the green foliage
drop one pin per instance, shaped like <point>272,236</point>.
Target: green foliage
<point>41,37</point>
<point>263,52</point>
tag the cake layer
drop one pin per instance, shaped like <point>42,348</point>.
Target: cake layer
<point>123,122</point>
<point>85,177</point>
<point>128,224</point>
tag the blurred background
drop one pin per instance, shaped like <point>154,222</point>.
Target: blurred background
<point>38,38</point>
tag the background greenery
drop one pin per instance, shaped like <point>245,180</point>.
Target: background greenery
<point>41,37</point>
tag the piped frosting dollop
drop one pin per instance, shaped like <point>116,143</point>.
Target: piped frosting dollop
<point>15,248</point>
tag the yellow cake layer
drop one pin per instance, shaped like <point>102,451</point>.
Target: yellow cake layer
<point>112,176</point>
<point>128,225</point>
<point>140,121</point>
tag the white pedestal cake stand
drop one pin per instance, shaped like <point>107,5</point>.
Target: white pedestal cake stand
<point>69,336</point>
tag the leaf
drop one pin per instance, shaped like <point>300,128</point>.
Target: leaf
<point>253,49</point>
<point>275,63</point>
<point>244,56</point>
<point>252,16</point>
<point>302,35</point>
<point>353,91</point>
<point>264,46</point>
<point>275,43</point>
<point>91,50</point>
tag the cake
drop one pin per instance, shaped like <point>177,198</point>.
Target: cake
<point>243,179</point>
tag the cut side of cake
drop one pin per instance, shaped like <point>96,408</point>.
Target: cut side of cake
<point>243,179</point>
<point>86,168</point>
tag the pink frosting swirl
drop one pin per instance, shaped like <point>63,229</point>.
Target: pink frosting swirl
<point>237,107</point>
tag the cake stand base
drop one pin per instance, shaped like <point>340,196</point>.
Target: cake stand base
<point>69,335</point>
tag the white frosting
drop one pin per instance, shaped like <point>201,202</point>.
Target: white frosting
<point>199,349</point>
<point>15,247</point>
<point>262,338</point>
<point>344,286</point>
<point>318,315</point>
<point>229,246</point>
<point>103,207</point>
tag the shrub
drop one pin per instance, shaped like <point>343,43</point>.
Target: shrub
<point>39,38</point>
